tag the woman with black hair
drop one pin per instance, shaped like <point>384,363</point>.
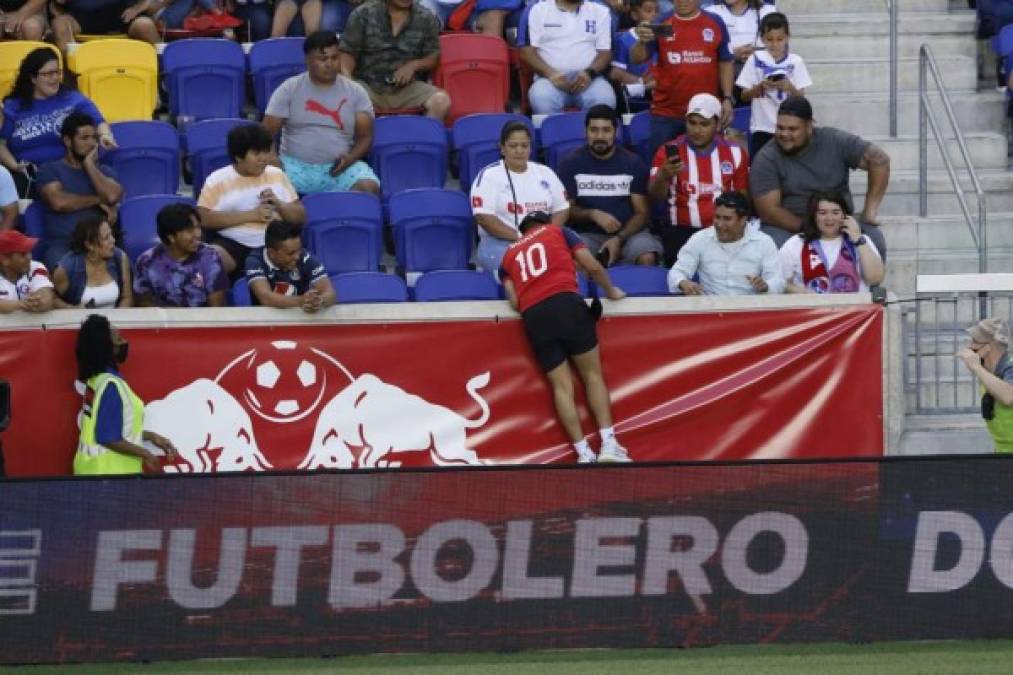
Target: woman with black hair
<point>33,112</point>
<point>94,272</point>
<point>509,189</point>
<point>112,415</point>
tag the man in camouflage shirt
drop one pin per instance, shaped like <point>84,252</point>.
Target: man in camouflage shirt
<point>388,46</point>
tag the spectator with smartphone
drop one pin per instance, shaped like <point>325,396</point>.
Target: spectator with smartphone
<point>742,19</point>
<point>284,274</point>
<point>770,76</point>
<point>690,172</point>
<point>635,79</point>
<point>607,188</point>
<point>693,58</point>
<point>568,44</point>
<point>239,200</point>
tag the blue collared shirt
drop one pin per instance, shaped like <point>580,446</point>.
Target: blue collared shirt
<point>723,268</point>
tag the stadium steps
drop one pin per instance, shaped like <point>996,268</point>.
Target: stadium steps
<point>867,74</point>
<point>867,113</point>
<point>945,435</point>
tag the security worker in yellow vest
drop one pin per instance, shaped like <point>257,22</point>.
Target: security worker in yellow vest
<point>988,358</point>
<point>112,416</point>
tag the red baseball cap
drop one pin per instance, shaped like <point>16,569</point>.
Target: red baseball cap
<point>12,241</point>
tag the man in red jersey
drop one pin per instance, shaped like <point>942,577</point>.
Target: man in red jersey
<point>689,173</point>
<point>540,280</point>
<point>693,57</point>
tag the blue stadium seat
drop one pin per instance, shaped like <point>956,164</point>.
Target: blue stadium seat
<point>444,285</point>
<point>241,293</point>
<point>271,62</point>
<point>409,151</point>
<point>35,226</point>
<point>476,140</point>
<point>741,118</point>
<point>205,77</point>
<point>562,132</point>
<point>138,221</point>
<point>640,134</point>
<point>344,230</point>
<point>205,146</point>
<point>359,287</point>
<point>433,229</point>
<point>640,280</point>
<point>147,161</point>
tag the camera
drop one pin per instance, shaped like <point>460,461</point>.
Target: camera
<point>662,30</point>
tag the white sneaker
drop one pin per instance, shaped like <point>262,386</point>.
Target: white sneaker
<point>612,452</point>
<point>586,457</point>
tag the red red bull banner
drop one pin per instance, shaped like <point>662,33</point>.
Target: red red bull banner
<point>711,386</point>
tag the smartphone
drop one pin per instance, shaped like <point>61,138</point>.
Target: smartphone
<point>776,77</point>
<point>672,153</point>
<point>662,29</point>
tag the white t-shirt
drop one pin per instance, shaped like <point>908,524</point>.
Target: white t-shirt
<point>743,29</point>
<point>226,190</point>
<point>36,279</point>
<point>791,259</point>
<point>105,295</point>
<point>757,68</point>
<point>537,189</point>
<point>569,41</point>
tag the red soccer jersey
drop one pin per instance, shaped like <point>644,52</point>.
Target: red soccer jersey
<point>540,264</point>
<point>688,62</point>
<point>703,177</point>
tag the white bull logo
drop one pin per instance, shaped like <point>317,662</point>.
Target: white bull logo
<point>370,420</point>
<point>209,428</point>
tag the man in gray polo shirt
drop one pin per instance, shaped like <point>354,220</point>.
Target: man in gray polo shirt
<point>805,159</point>
<point>326,124</point>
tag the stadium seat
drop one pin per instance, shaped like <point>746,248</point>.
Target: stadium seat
<point>138,221</point>
<point>475,71</point>
<point>147,161</point>
<point>443,285</point>
<point>741,118</point>
<point>205,146</point>
<point>409,152</point>
<point>640,280</point>
<point>205,77</point>
<point>120,76</point>
<point>562,132</point>
<point>12,52</point>
<point>359,287</point>
<point>34,225</point>
<point>271,62</point>
<point>476,140</point>
<point>639,135</point>
<point>344,230</point>
<point>241,293</point>
<point>434,229</point>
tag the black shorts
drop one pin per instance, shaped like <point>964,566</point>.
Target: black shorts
<point>559,327</point>
<point>100,21</point>
<point>237,251</point>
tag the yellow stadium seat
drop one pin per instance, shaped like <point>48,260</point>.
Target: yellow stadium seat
<point>11,54</point>
<point>120,76</point>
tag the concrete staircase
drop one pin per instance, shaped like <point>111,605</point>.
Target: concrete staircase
<point>845,44</point>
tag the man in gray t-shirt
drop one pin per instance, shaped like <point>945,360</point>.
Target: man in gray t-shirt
<point>326,124</point>
<point>805,159</point>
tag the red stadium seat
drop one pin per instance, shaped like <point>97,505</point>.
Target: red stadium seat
<point>475,71</point>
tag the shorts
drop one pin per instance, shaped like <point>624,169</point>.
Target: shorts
<point>559,327</point>
<point>100,21</point>
<point>640,243</point>
<point>237,251</point>
<point>414,95</point>
<point>309,178</point>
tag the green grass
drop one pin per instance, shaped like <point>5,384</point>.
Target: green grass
<point>981,657</point>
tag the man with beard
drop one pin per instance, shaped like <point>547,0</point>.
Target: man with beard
<point>687,174</point>
<point>607,188</point>
<point>75,186</point>
<point>805,159</point>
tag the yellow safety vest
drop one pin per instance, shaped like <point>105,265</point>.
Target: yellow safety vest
<point>95,459</point>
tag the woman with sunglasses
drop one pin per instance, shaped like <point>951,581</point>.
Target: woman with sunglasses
<point>987,357</point>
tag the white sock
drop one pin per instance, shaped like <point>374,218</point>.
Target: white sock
<point>583,448</point>
<point>608,434</point>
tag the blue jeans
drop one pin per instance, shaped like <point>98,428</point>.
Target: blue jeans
<point>545,99</point>
<point>259,17</point>
<point>174,14</point>
<point>664,129</point>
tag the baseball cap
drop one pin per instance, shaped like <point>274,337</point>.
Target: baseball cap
<point>796,106</point>
<point>704,105</point>
<point>535,218</point>
<point>990,330</point>
<point>12,241</point>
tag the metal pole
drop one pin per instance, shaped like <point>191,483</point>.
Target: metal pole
<point>894,20</point>
<point>923,149</point>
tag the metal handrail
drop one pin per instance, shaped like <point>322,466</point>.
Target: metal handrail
<point>926,117</point>
<point>894,21</point>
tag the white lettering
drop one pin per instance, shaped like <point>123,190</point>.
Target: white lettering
<point>925,578</point>
<point>485,559</point>
<point>231,561</point>
<point>688,562</point>
<point>796,547</point>
<point>517,585</point>
<point>288,543</point>
<point>1001,553</point>
<point>590,555</point>
<point>353,559</point>
<point>111,569</point>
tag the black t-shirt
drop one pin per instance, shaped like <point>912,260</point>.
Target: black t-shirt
<point>603,184</point>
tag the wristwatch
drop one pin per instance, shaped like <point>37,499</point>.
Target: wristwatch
<point>730,99</point>
<point>860,241</point>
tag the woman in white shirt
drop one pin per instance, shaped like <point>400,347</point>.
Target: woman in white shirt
<point>94,273</point>
<point>830,255</point>
<point>506,191</point>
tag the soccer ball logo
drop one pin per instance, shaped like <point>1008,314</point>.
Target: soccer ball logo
<point>286,383</point>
